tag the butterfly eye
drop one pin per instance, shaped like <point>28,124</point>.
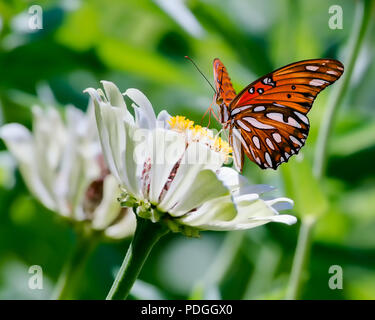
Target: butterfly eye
<point>219,100</point>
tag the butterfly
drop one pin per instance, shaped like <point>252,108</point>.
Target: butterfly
<point>267,120</point>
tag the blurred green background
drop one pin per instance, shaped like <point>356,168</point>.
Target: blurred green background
<point>142,44</point>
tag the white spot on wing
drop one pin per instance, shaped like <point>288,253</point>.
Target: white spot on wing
<point>243,126</point>
<point>252,152</point>
<point>256,141</point>
<point>277,137</point>
<point>259,108</point>
<point>240,109</point>
<point>292,122</point>
<point>275,116</point>
<point>296,141</point>
<point>312,68</point>
<point>257,124</point>
<point>280,118</point>
<point>302,117</point>
<point>268,158</point>
<point>317,82</point>
<point>332,72</point>
<point>270,144</point>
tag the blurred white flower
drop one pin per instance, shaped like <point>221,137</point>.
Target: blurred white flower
<point>172,170</point>
<point>62,165</point>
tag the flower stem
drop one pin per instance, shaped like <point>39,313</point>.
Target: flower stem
<point>363,15</point>
<point>300,258</point>
<point>74,267</point>
<point>146,235</point>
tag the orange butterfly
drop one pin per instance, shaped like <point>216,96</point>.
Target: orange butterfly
<point>267,119</point>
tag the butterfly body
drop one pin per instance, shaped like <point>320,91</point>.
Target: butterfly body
<point>267,120</point>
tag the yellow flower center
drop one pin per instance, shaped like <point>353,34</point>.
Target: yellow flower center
<point>180,123</point>
<point>199,133</point>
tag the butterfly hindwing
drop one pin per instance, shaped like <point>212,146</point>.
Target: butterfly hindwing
<point>235,140</point>
<point>270,137</point>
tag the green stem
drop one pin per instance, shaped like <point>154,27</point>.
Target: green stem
<point>266,263</point>
<point>146,235</point>
<point>365,10</point>
<point>225,258</point>
<point>363,15</point>
<point>220,266</point>
<point>74,267</point>
<point>300,258</point>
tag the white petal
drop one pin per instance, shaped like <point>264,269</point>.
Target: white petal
<point>144,104</point>
<point>249,215</point>
<point>218,209</point>
<point>256,188</point>
<point>197,157</point>
<point>113,94</point>
<point>246,197</point>
<point>231,178</point>
<point>103,132</point>
<point>256,222</point>
<point>116,99</point>
<point>162,119</point>
<point>20,143</point>
<point>18,140</point>
<point>122,147</point>
<point>123,228</point>
<point>141,119</point>
<point>109,207</point>
<point>167,148</point>
<point>280,204</point>
<point>283,218</point>
<point>205,187</point>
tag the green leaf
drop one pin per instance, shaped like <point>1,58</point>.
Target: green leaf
<point>125,57</point>
<point>354,141</point>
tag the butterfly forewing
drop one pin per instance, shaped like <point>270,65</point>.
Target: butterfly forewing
<point>270,113</point>
<point>294,86</point>
<point>223,84</point>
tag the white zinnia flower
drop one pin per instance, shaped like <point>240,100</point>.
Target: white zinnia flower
<point>171,170</point>
<point>62,165</point>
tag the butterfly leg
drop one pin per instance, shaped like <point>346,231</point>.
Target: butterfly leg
<point>211,111</point>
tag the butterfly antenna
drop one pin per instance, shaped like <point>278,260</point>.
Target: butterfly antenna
<point>195,65</point>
